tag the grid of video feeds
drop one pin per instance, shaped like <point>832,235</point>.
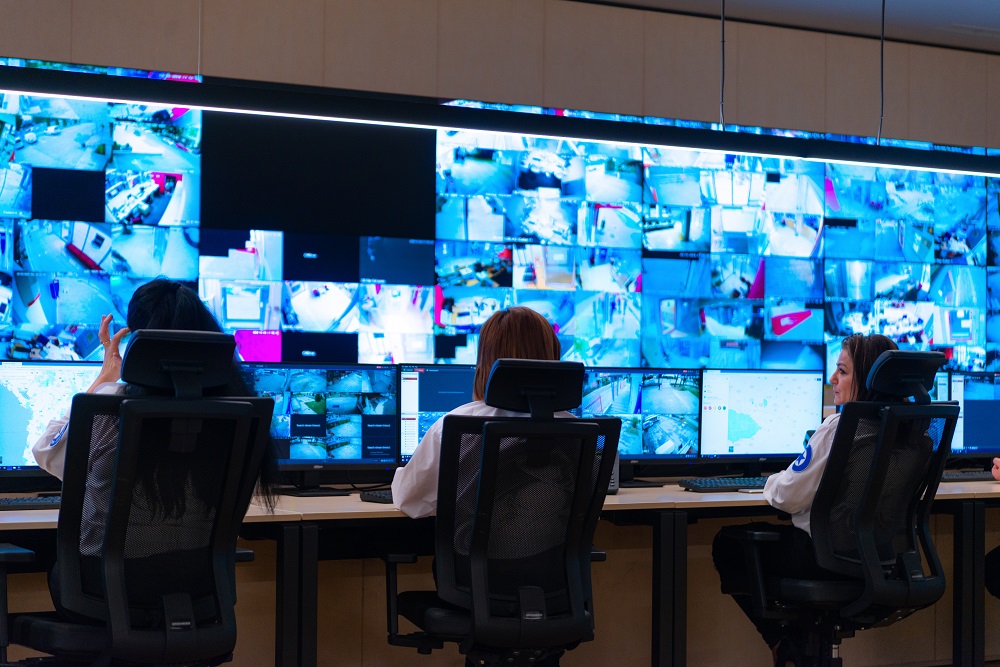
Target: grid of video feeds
<point>331,414</point>
<point>640,256</point>
<point>96,198</point>
<point>659,410</point>
<point>708,259</point>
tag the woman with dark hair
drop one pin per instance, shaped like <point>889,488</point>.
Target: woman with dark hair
<point>159,304</point>
<point>792,490</point>
<point>516,333</point>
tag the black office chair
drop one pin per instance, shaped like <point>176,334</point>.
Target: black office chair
<point>518,504</point>
<point>142,576</point>
<point>869,518</point>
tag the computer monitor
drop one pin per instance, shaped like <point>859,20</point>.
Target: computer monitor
<point>758,414</point>
<point>331,417</point>
<point>425,394</point>
<point>978,396</point>
<point>658,408</point>
<point>32,394</point>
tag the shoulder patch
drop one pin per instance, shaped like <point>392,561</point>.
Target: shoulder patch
<point>802,462</point>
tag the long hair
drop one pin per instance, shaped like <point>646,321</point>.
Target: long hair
<point>515,333</point>
<point>168,304</point>
<point>864,350</point>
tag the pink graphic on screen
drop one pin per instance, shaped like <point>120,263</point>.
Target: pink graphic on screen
<point>258,345</point>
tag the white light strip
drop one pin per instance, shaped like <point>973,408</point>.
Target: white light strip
<point>422,126</point>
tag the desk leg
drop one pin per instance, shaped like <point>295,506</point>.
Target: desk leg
<point>308,595</point>
<point>669,645</point>
<point>968,623</point>
<point>286,641</point>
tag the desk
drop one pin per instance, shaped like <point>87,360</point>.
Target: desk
<point>347,522</point>
<point>281,526</point>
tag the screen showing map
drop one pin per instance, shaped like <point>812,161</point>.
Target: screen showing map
<point>753,414</point>
<point>30,396</point>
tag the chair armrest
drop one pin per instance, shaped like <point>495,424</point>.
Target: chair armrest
<point>750,538</point>
<point>597,555</point>
<point>244,555</point>
<point>747,534</point>
<point>391,589</point>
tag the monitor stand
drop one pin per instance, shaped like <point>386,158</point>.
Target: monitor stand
<point>306,485</point>
<point>627,480</point>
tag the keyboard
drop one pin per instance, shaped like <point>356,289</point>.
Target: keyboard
<point>967,476</point>
<point>720,484</point>
<point>30,503</point>
<point>383,496</point>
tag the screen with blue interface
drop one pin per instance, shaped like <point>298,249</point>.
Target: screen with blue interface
<point>32,394</point>
<point>978,395</point>
<point>756,414</point>
<point>658,409</point>
<point>426,393</point>
<point>331,415</point>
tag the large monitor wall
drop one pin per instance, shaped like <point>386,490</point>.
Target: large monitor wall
<point>339,239</point>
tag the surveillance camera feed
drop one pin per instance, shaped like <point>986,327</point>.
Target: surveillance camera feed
<point>640,256</point>
<point>342,414</point>
<point>659,410</point>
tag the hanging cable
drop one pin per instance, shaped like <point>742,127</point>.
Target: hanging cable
<point>722,85</point>
<point>881,78</point>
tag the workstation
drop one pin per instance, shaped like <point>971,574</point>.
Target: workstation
<point>648,264</point>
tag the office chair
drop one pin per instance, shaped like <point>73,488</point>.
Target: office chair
<point>155,489</point>
<point>869,518</point>
<point>518,503</point>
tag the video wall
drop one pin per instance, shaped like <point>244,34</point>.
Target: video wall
<point>321,240</point>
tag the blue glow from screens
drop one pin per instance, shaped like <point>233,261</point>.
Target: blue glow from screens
<point>638,255</point>
<point>100,69</point>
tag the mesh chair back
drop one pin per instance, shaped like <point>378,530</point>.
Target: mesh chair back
<point>154,493</point>
<point>869,516</point>
<point>518,503</point>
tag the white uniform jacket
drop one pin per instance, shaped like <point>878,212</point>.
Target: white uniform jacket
<point>792,490</point>
<point>50,449</point>
<point>415,485</point>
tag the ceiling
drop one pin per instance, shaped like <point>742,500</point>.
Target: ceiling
<point>966,24</point>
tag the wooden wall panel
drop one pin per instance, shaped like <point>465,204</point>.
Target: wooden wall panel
<point>852,87</point>
<point>947,96</point>
<point>264,40</point>
<point>682,67</point>
<point>42,30</point>
<point>491,51</point>
<point>781,75</point>
<point>593,57</point>
<point>381,45</point>
<point>146,35</point>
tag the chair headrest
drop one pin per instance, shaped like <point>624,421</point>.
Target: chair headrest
<point>185,361</point>
<point>905,373</point>
<point>539,387</point>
